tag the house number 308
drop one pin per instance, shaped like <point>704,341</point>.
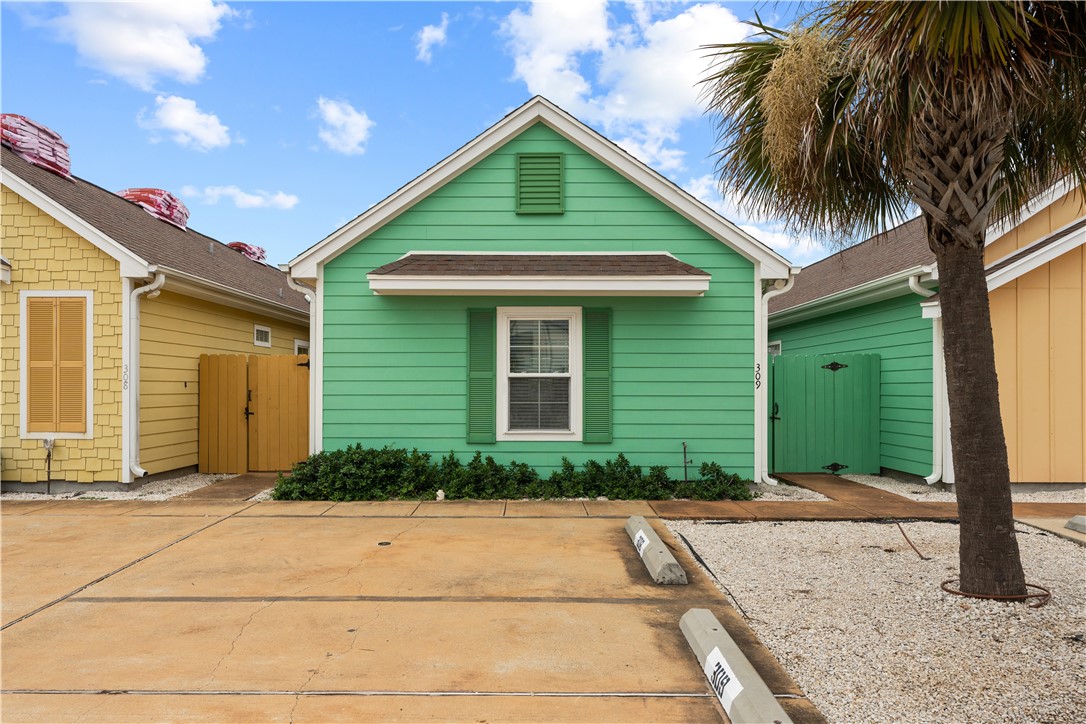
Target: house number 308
<point>124,378</point>
<point>758,376</point>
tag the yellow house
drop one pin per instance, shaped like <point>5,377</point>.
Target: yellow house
<point>1036,271</point>
<point>106,310</point>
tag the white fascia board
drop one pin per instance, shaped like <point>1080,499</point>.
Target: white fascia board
<point>877,290</point>
<point>1038,259</point>
<point>131,265</point>
<point>626,286</point>
<point>774,266</point>
<point>1039,203</point>
<point>193,286</point>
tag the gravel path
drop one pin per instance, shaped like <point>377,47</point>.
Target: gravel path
<point>156,490</point>
<point>861,624</point>
<point>784,491</point>
<point>920,491</point>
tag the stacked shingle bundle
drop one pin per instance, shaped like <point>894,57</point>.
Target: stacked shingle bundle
<point>159,203</point>
<point>37,144</point>
<point>255,253</point>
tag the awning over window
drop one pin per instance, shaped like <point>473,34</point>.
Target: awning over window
<point>643,274</point>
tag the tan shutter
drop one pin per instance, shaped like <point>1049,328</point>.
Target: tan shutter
<point>72,364</point>
<point>41,407</point>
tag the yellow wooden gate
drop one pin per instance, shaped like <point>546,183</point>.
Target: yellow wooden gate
<point>254,412</point>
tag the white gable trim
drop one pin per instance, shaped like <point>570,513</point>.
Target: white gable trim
<point>1037,204</point>
<point>538,109</point>
<point>1037,259</point>
<point>131,265</point>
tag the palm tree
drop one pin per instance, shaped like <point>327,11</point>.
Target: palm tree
<point>966,110</point>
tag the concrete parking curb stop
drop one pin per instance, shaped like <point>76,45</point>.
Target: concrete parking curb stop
<point>1077,524</point>
<point>741,691</point>
<point>659,561</point>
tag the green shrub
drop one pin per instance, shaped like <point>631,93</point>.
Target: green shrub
<point>358,473</point>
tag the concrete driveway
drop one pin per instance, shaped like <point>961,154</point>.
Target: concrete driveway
<point>215,611</point>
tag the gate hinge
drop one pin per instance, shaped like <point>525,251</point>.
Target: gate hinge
<point>834,467</point>
<point>834,366</point>
<point>304,364</point>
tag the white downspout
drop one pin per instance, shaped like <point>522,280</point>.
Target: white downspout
<point>150,291</point>
<point>937,385</point>
<point>761,353</point>
<point>309,295</point>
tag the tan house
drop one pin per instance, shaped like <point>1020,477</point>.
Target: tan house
<point>106,310</point>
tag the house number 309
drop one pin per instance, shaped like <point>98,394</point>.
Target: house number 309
<point>758,376</point>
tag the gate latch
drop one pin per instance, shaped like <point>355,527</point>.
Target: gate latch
<point>834,366</point>
<point>776,409</point>
<point>834,467</point>
<point>248,399</point>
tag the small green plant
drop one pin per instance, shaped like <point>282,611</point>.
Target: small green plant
<point>359,473</point>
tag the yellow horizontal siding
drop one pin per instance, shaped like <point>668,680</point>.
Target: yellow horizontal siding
<point>1060,213</point>
<point>174,331</point>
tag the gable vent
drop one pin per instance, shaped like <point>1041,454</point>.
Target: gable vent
<point>539,183</point>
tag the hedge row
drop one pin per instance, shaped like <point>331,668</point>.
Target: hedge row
<point>359,473</point>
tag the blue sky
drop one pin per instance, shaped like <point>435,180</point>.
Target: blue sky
<point>277,122</point>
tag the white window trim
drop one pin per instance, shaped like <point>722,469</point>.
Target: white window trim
<point>24,372</point>
<point>576,375</point>
<point>301,343</point>
<point>259,328</point>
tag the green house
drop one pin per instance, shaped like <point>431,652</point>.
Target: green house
<point>542,294</point>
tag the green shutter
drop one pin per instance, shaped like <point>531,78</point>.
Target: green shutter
<point>539,183</point>
<point>597,375</point>
<point>482,382</point>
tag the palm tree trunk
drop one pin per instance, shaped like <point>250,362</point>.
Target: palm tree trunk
<point>989,559</point>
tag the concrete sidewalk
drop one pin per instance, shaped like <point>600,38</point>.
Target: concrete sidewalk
<point>233,611</point>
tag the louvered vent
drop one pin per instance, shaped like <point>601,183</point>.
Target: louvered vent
<point>539,183</point>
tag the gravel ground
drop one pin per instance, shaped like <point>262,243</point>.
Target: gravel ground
<point>920,491</point>
<point>861,624</point>
<point>156,490</point>
<point>784,491</point>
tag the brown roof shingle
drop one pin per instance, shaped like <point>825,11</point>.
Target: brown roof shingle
<point>156,241</point>
<point>539,265</point>
<point>903,247</point>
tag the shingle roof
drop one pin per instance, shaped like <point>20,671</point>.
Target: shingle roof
<point>156,241</point>
<point>903,247</point>
<point>539,265</point>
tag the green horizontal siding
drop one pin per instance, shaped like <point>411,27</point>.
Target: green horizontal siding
<point>895,330</point>
<point>395,366</point>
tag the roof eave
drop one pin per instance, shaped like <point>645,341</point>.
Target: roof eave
<point>877,290</point>
<point>200,288</point>
<point>688,285</point>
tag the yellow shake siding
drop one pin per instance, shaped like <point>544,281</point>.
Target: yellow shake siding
<point>46,255</point>
<point>175,331</point>
<point>1039,325</point>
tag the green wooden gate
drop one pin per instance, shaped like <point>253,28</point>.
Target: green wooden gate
<point>825,413</point>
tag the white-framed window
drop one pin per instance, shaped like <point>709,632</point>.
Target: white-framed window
<point>539,368</point>
<point>774,348</point>
<point>261,335</point>
<point>301,346</point>
<point>56,364</point>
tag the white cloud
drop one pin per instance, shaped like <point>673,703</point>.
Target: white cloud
<point>343,128</point>
<point>646,73</point>
<point>188,125</point>
<point>430,36</point>
<point>141,42</point>
<point>242,199</point>
<point>800,250</point>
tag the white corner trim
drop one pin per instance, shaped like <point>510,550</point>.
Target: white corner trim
<point>939,417</point>
<point>626,286</point>
<point>316,367</point>
<point>24,294</point>
<point>931,310</point>
<point>1037,259</point>
<point>126,381</point>
<point>761,374</point>
<point>538,109</point>
<point>1039,203</point>
<point>131,264</point>
<point>576,377</point>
